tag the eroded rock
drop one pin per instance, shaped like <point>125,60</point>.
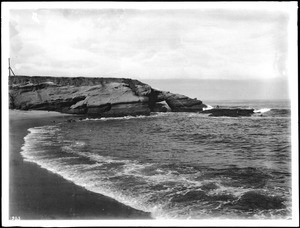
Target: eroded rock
<point>94,96</point>
<point>181,103</point>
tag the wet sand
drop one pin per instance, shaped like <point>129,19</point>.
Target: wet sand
<point>36,193</point>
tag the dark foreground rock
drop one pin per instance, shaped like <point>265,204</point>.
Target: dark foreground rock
<point>105,97</point>
<point>229,112</point>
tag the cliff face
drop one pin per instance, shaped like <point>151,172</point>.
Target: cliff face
<point>94,96</point>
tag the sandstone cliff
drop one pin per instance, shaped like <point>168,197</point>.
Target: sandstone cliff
<point>95,96</point>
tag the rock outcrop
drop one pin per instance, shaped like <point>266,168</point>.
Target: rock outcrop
<point>181,103</point>
<point>105,97</point>
<point>232,112</point>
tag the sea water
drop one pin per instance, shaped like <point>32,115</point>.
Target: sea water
<point>178,165</point>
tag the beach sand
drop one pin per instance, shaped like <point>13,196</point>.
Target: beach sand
<point>36,193</point>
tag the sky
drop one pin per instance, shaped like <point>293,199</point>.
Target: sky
<point>220,89</point>
<point>161,44</point>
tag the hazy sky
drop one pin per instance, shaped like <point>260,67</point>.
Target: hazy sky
<point>211,43</point>
<point>216,89</point>
<point>190,44</point>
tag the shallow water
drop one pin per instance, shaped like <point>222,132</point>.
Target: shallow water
<point>177,165</point>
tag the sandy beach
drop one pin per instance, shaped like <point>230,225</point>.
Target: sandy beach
<point>36,193</point>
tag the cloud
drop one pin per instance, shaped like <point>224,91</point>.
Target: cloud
<point>216,43</point>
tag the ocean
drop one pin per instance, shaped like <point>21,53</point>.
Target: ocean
<point>178,165</point>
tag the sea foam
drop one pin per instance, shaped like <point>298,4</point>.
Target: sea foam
<point>162,187</point>
<point>263,110</point>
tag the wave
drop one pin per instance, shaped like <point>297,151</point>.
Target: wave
<point>273,113</point>
<point>209,107</point>
<point>165,190</point>
<point>153,115</point>
<point>262,110</point>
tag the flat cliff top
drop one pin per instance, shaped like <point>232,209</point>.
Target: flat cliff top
<point>64,81</point>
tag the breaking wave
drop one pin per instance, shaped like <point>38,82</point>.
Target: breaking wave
<point>263,110</point>
<point>166,189</point>
<point>209,107</point>
<point>153,115</point>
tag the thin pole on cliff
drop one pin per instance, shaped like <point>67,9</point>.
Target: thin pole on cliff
<point>9,68</point>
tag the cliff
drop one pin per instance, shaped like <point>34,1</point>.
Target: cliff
<point>107,97</point>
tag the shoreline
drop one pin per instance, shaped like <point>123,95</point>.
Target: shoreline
<point>36,193</point>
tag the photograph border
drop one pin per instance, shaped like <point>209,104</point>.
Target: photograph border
<point>292,70</point>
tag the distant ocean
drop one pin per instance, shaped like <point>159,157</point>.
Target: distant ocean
<point>178,165</point>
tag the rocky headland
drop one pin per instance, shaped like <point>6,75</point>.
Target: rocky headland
<point>104,97</point>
